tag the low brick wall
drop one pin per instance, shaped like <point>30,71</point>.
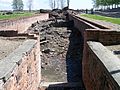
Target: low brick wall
<point>8,33</point>
<point>98,62</point>
<point>99,66</point>
<point>105,36</point>
<point>22,24</point>
<point>92,31</point>
<point>80,24</point>
<point>21,69</point>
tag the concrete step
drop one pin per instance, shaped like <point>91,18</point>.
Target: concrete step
<point>61,86</point>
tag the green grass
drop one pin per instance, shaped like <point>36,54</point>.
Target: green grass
<point>16,15</point>
<point>103,18</point>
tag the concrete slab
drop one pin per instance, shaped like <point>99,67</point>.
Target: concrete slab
<point>107,58</point>
<point>115,49</point>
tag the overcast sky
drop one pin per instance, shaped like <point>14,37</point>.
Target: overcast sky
<point>44,4</point>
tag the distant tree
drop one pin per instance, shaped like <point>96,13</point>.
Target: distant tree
<point>17,5</point>
<point>54,4</point>
<point>106,3</point>
<point>51,4</point>
<point>58,3</point>
<point>30,3</point>
<point>94,3</point>
<point>68,3</point>
<point>62,2</point>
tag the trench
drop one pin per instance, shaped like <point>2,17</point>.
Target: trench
<point>62,48</point>
<point>74,56</point>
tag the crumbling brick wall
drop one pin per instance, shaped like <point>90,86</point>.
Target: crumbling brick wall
<point>21,69</point>
<point>97,70</point>
<point>22,24</point>
<point>105,36</point>
<point>96,75</point>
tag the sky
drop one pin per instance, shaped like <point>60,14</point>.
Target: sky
<point>44,4</point>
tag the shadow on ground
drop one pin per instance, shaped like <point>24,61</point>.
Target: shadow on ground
<point>74,56</point>
<point>73,60</point>
<point>65,86</point>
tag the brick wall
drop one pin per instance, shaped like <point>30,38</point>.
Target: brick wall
<point>96,71</point>
<point>21,69</point>
<point>105,36</point>
<point>95,32</point>
<point>80,24</point>
<point>22,24</point>
<point>97,68</point>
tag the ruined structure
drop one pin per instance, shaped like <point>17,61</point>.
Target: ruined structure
<point>101,54</point>
<point>20,65</point>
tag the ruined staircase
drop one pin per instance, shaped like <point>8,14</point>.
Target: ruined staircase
<point>61,86</point>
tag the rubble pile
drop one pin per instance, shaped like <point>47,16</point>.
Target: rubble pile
<point>61,47</point>
<point>54,41</point>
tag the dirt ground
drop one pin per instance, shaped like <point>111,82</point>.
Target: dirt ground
<point>7,45</point>
<point>61,51</point>
<point>54,45</point>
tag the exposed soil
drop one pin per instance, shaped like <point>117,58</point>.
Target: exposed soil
<point>54,46</point>
<point>61,48</point>
<point>7,45</point>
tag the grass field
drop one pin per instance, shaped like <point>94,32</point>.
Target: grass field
<point>15,15</point>
<point>103,18</point>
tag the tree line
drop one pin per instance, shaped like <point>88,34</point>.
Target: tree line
<point>58,4</point>
<point>106,3</point>
<point>18,5</point>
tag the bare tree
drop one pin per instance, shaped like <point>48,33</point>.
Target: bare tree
<point>68,3</point>
<point>51,4</point>
<point>58,4</point>
<point>62,2</point>
<point>30,3</point>
<point>54,4</point>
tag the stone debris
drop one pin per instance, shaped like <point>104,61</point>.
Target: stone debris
<point>48,50</point>
<point>54,41</point>
<point>44,42</point>
<point>61,48</point>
